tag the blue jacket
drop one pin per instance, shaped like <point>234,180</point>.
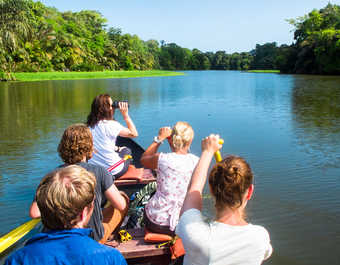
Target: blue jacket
<point>65,247</point>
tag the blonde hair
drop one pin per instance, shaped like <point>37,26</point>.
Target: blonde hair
<point>182,135</point>
<point>63,194</point>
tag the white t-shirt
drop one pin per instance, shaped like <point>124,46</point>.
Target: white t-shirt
<point>104,141</point>
<point>173,176</point>
<point>221,244</point>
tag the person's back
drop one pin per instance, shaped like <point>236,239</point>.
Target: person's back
<point>105,134</point>
<point>173,176</point>
<point>222,244</point>
<point>104,182</point>
<point>105,131</point>
<point>65,247</point>
<point>229,239</point>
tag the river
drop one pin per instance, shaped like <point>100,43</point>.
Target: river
<point>286,126</point>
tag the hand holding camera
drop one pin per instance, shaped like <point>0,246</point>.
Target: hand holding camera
<point>115,103</point>
<point>123,107</point>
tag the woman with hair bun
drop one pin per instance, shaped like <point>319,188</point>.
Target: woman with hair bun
<point>230,239</point>
<point>174,172</point>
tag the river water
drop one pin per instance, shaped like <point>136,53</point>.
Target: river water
<point>287,127</point>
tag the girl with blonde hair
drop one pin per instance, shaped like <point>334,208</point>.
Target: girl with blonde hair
<point>174,172</point>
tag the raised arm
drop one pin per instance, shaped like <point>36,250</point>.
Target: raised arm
<point>130,131</point>
<point>193,198</point>
<point>150,157</point>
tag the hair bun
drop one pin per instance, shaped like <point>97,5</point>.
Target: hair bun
<point>233,170</point>
<point>182,134</point>
<point>229,180</point>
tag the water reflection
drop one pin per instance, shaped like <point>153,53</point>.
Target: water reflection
<point>30,111</point>
<point>316,119</point>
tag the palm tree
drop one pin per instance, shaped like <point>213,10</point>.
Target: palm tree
<point>14,28</point>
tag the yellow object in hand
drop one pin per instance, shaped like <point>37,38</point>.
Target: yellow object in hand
<point>217,154</point>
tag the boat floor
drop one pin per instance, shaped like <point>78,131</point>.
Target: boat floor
<point>136,251</point>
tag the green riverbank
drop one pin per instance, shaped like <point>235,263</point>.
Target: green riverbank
<point>264,71</point>
<point>41,76</point>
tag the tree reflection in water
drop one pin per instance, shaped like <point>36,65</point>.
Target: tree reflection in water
<point>316,117</point>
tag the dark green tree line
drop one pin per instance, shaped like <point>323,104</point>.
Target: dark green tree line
<point>316,47</point>
<point>317,41</point>
<point>34,37</point>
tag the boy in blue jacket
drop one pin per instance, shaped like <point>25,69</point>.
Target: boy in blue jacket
<point>65,198</point>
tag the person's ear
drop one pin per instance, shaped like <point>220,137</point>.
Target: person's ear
<point>84,214</point>
<point>250,192</point>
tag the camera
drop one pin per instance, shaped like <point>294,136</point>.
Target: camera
<point>115,103</point>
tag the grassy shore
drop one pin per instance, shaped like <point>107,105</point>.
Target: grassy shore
<point>40,76</point>
<point>264,71</point>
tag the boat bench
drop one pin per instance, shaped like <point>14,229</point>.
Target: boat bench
<point>132,182</point>
<point>136,251</point>
<point>145,177</point>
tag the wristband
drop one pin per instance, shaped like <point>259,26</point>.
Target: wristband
<point>156,140</point>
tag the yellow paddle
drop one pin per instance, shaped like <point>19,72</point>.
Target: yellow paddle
<point>16,234</point>
<point>217,154</point>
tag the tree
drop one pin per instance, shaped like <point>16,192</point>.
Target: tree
<point>14,29</point>
<point>174,57</point>
<point>317,37</point>
<point>286,58</point>
<point>14,23</point>
<point>154,50</point>
<point>264,56</point>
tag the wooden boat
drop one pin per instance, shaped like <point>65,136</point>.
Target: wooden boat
<point>136,251</point>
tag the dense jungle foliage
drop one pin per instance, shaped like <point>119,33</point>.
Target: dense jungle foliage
<point>35,38</point>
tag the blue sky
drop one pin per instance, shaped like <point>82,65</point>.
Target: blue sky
<point>232,26</point>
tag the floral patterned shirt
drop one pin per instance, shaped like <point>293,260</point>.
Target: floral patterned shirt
<point>173,176</point>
